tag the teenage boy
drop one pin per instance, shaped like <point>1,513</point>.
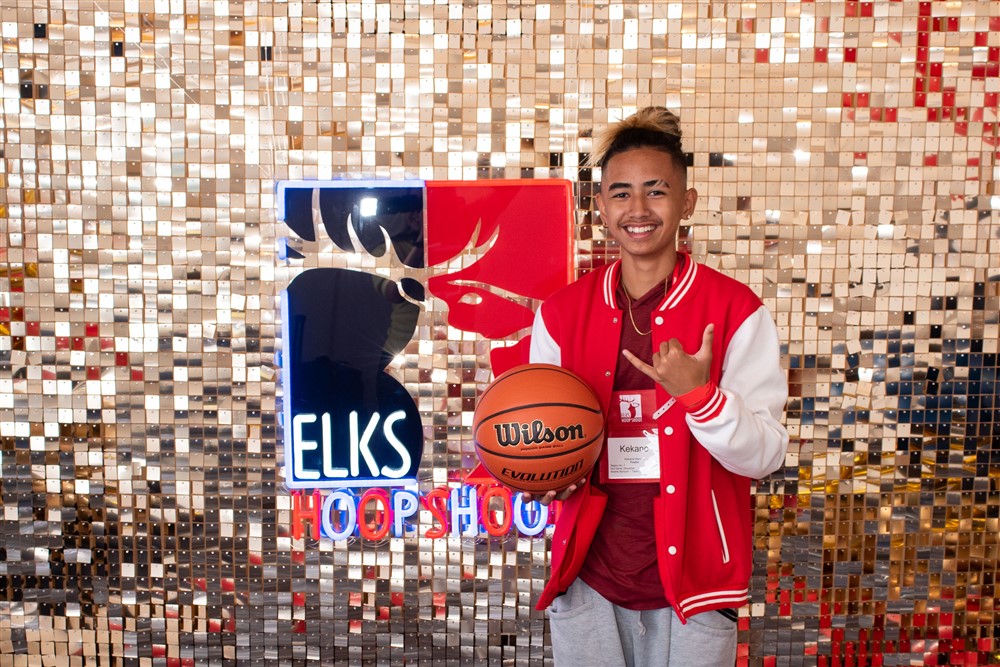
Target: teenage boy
<point>651,554</point>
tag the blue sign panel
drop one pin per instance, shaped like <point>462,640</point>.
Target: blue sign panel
<point>346,421</point>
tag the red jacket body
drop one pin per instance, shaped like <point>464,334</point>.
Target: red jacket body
<point>708,457</point>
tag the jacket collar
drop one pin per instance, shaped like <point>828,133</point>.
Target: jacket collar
<point>681,283</point>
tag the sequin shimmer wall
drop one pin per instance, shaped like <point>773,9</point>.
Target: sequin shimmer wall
<point>846,156</point>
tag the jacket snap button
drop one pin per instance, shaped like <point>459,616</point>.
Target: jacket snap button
<point>669,430</point>
<point>672,551</point>
<point>607,373</point>
<point>671,488</point>
<point>614,320</point>
<point>659,320</point>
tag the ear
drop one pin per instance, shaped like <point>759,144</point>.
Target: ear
<point>690,201</point>
<point>600,207</point>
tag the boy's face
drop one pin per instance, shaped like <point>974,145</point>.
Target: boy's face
<point>643,198</point>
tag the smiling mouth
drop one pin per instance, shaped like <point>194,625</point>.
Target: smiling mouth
<point>639,229</point>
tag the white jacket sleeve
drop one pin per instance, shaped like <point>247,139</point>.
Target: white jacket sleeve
<point>543,350</point>
<point>745,434</point>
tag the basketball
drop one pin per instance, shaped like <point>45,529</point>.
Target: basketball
<point>538,428</point>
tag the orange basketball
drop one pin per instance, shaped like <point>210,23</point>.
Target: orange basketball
<point>538,428</point>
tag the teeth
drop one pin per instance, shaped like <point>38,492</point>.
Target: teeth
<point>640,230</point>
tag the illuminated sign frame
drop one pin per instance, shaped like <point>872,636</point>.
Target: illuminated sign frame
<point>427,224</point>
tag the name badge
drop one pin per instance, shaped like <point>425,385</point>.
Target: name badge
<point>633,447</point>
<point>634,458</point>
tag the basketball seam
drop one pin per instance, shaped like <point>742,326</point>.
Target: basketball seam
<point>534,367</point>
<point>487,418</point>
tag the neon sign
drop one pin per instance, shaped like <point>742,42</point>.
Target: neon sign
<point>378,513</point>
<point>347,423</point>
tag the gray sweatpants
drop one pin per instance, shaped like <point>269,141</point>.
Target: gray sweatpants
<point>587,630</point>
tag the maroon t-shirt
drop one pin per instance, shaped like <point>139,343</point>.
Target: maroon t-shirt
<point>621,563</point>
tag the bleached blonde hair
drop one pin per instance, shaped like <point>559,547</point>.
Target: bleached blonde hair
<point>651,127</point>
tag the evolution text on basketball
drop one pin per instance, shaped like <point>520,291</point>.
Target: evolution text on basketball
<point>521,476</point>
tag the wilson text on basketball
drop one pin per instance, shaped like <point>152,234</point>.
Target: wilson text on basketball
<point>535,433</point>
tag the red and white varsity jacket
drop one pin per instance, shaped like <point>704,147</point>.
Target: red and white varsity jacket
<point>708,457</point>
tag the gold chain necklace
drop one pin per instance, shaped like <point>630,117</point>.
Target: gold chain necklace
<point>628,297</point>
